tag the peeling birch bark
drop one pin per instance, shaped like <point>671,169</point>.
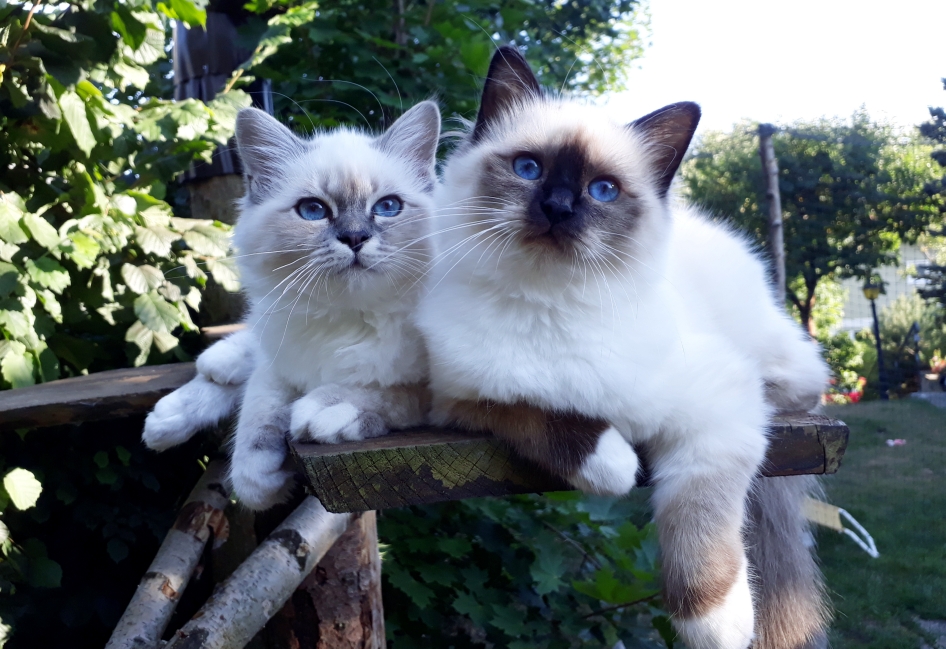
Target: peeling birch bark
<point>242,605</point>
<point>150,609</point>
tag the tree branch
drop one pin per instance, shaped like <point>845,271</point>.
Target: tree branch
<point>200,519</point>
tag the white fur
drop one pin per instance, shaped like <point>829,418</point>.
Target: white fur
<point>330,323</point>
<point>312,420</point>
<point>729,626</point>
<point>611,470</point>
<point>196,405</point>
<point>672,337</point>
<point>228,361</point>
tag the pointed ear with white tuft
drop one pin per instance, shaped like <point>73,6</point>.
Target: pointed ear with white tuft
<point>668,132</point>
<point>265,145</point>
<point>510,80</point>
<point>414,138</point>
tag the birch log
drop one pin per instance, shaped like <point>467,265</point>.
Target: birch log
<point>338,606</point>
<point>150,609</point>
<point>242,605</point>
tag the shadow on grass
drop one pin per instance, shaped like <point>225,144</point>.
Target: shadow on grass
<point>899,494</point>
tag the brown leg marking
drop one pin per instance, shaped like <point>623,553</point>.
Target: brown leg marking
<point>558,442</point>
<point>702,547</point>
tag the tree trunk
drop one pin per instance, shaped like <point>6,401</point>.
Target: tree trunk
<point>338,606</point>
<point>776,237</point>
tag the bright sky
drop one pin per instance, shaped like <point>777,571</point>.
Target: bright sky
<point>782,61</point>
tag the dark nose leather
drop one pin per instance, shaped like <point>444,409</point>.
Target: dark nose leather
<point>354,240</point>
<point>558,205</point>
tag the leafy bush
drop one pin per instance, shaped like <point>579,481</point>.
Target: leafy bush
<point>96,271</point>
<point>560,570</point>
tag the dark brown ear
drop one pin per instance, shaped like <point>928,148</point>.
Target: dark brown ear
<point>669,131</point>
<point>509,79</point>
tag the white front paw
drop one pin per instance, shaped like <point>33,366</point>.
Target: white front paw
<point>314,421</point>
<point>611,470</point>
<point>229,361</point>
<point>259,479</point>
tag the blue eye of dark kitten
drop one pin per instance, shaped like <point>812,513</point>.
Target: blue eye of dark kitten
<point>388,206</point>
<point>526,167</point>
<point>312,209</point>
<point>604,190</point>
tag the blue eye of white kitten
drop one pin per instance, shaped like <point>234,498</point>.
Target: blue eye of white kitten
<point>387,207</point>
<point>312,209</point>
<point>527,167</point>
<point>604,190</point>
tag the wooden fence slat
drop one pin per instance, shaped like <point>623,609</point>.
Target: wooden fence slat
<point>432,465</point>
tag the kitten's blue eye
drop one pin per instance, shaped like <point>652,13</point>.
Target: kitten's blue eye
<point>311,209</point>
<point>388,206</point>
<point>604,190</point>
<point>526,167</point>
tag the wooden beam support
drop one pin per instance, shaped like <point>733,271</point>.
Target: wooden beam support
<point>104,395</point>
<point>431,465</point>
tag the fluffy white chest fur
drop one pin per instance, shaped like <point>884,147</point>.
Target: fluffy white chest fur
<point>380,346</point>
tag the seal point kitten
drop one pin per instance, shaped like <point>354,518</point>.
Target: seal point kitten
<point>572,300</point>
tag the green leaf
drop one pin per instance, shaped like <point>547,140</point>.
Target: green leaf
<point>207,240</point>
<point>45,573</point>
<point>124,455</point>
<point>185,11</point>
<point>73,111</point>
<point>83,249</point>
<point>17,369</point>
<point>9,278</point>
<point>23,488</point>
<point>101,459</point>
<point>15,323</point>
<point>155,313</point>
<point>117,550</point>
<point>143,278</point>
<point>224,273</point>
<point>164,341</point>
<point>143,337</point>
<point>44,234</point>
<point>419,593</point>
<point>48,273</point>
<point>10,229</point>
<point>156,240</point>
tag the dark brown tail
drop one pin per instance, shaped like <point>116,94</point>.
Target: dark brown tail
<point>791,611</point>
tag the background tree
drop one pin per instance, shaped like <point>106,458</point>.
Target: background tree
<point>851,191</point>
<point>325,68</point>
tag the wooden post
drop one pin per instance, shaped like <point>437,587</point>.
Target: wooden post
<point>776,236</point>
<point>338,606</point>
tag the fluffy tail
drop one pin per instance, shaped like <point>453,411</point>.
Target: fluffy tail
<point>196,405</point>
<point>791,608</point>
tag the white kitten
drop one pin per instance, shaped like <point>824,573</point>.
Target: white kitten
<point>578,315</point>
<point>330,254</point>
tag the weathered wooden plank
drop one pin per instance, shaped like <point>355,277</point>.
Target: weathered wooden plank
<point>432,465</point>
<point>104,395</point>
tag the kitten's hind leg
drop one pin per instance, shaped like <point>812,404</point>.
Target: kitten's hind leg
<point>588,453</point>
<point>333,413</point>
<point>260,472</point>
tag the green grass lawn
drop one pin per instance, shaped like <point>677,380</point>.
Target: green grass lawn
<point>899,494</point>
